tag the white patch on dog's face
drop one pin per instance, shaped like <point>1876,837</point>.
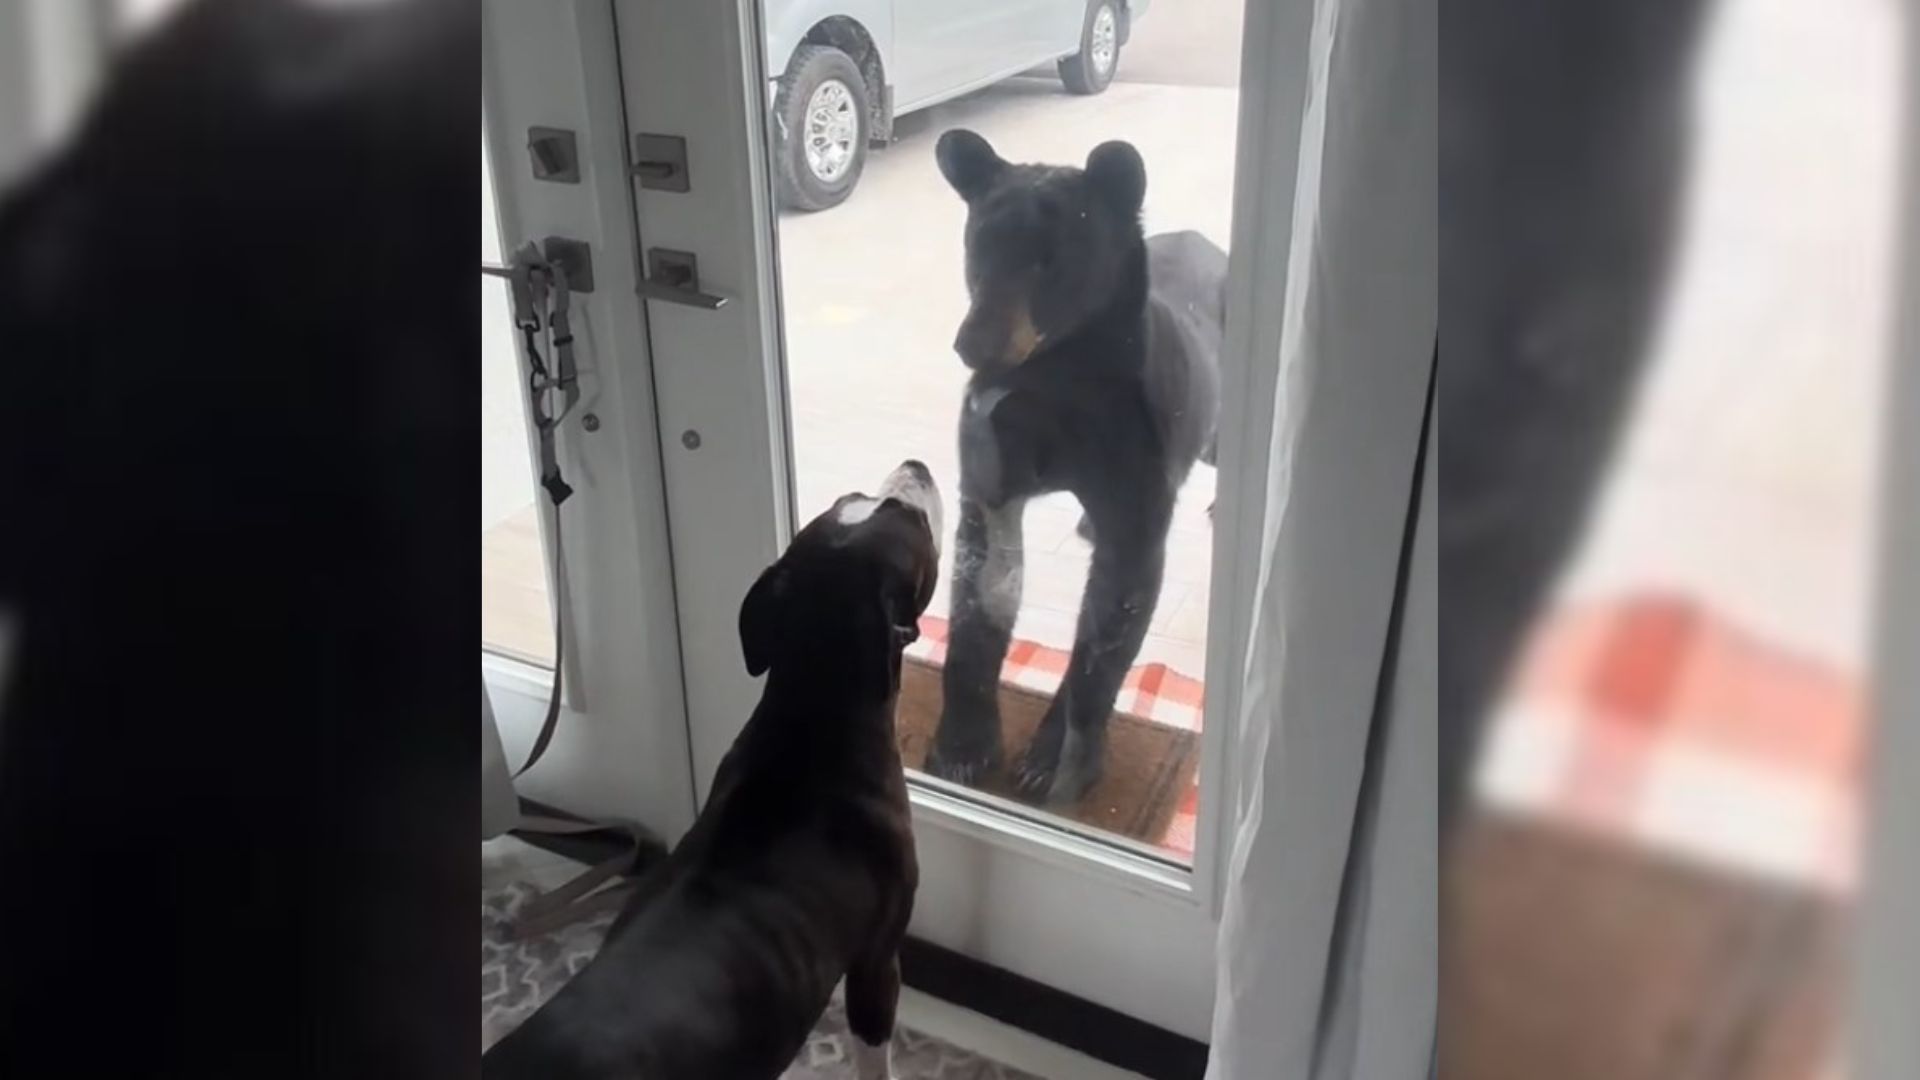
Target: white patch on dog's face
<point>911,484</point>
<point>854,511</point>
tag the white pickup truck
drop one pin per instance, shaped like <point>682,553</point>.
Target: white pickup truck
<point>843,70</point>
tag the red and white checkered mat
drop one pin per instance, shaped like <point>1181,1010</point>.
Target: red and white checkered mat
<point>1647,718</point>
<point>1153,692</point>
<point>1654,719</point>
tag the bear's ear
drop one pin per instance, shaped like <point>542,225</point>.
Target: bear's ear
<point>968,162</point>
<point>1117,173</point>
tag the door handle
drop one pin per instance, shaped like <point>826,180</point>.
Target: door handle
<point>674,276</point>
<point>660,161</point>
<point>655,170</point>
<point>673,294</point>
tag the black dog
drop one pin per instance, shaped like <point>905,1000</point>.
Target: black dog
<point>1095,355</point>
<point>238,409</point>
<point>801,868</point>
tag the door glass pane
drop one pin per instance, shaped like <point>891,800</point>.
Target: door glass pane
<point>515,616</point>
<point>1062,674</point>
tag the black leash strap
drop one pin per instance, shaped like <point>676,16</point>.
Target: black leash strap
<point>542,308</point>
<point>542,311</point>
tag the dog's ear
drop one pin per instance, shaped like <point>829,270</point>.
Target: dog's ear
<point>879,638</point>
<point>923,595</point>
<point>1118,175</point>
<point>763,619</point>
<point>893,627</point>
<point>968,162</point>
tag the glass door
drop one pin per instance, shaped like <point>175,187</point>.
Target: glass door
<point>1020,280</point>
<point>1061,670</point>
<point>1060,282</point>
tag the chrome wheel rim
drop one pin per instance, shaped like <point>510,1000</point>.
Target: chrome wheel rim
<point>1106,38</point>
<point>832,126</point>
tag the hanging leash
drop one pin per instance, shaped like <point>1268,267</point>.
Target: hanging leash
<point>541,295</point>
<point>542,305</point>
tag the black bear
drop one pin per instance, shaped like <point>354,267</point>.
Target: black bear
<point>1094,353</point>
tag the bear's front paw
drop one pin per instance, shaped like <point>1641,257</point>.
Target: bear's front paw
<point>965,751</point>
<point>1061,765</point>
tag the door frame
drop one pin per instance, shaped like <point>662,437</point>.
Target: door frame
<point>735,398</point>
<point>1005,891</point>
<point>654,554</point>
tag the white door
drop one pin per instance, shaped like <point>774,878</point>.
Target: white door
<point>831,362</point>
<point>620,749</point>
<point>807,357</point>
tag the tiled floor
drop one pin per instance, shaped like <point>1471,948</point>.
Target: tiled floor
<point>929,1024</point>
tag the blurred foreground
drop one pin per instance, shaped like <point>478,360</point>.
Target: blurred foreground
<point>1658,855</point>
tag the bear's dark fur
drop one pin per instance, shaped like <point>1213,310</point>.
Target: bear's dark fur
<point>1095,360</point>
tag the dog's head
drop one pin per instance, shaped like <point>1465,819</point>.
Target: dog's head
<point>1048,247</point>
<point>850,589</point>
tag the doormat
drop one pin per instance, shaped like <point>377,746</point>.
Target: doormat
<point>1151,691</point>
<point>1580,957</point>
<point>1632,714</point>
<point>518,976</point>
<point>1150,766</point>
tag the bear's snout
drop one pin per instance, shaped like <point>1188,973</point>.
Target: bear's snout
<point>978,344</point>
<point>993,337</point>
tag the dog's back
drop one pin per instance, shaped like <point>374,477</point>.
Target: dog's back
<point>731,951</point>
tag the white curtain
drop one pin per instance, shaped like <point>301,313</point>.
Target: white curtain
<point>1327,939</point>
<point>1883,1040</point>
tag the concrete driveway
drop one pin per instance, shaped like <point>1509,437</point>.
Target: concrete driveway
<point>1186,43</point>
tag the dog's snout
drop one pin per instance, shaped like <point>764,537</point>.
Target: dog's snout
<point>909,480</point>
<point>912,483</point>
